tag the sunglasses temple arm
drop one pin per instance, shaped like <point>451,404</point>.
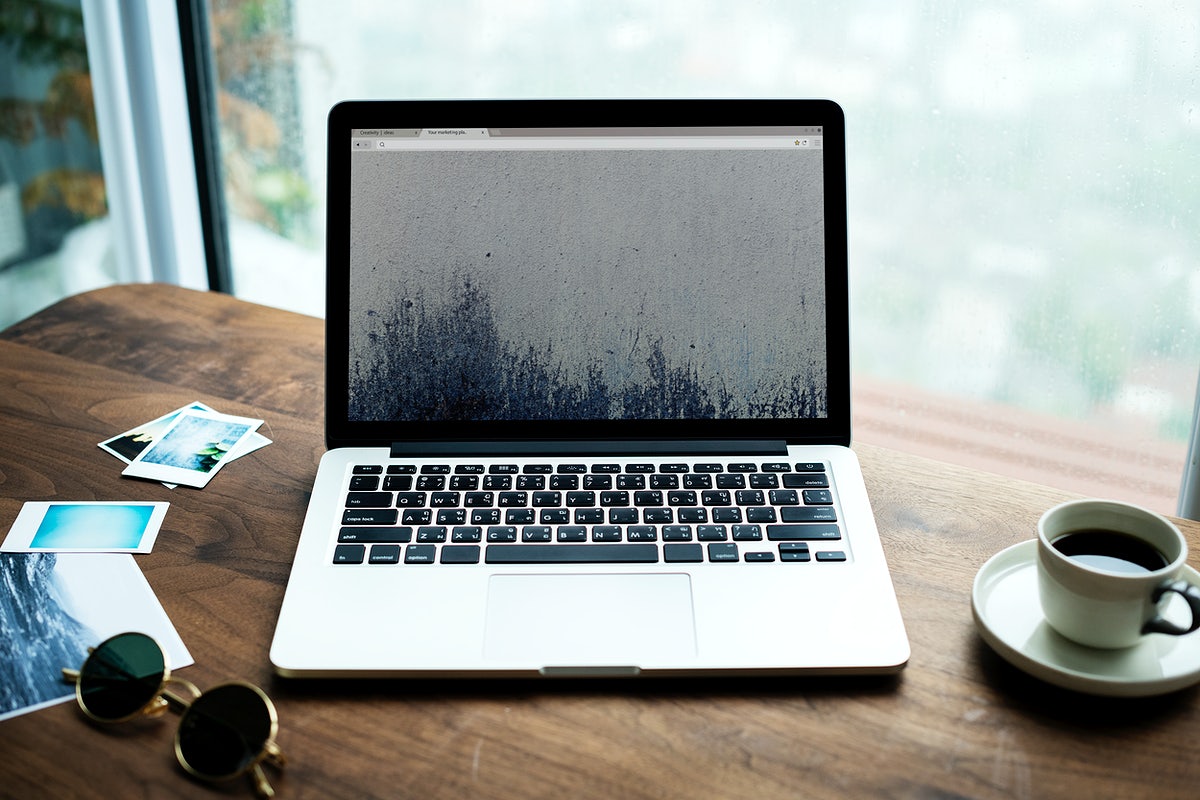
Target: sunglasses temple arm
<point>70,675</point>
<point>262,786</point>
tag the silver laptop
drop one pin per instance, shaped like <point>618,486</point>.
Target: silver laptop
<point>587,398</point>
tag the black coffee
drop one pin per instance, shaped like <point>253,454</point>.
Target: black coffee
<point>1110,551</point>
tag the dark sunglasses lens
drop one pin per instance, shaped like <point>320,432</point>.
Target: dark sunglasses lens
<point>224,731</point>
<point>121,676</point>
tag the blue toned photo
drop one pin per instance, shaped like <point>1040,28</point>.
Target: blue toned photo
<point>92,527</point>
<point>196,443</point>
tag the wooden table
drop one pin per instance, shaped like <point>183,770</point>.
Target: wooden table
<point>957,722</point>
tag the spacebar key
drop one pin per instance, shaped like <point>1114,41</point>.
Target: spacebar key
<point>643,553</point>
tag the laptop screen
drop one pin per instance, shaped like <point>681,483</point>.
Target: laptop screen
<point>519,278</point>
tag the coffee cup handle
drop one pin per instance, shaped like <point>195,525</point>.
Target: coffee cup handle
<point>1189,593</point>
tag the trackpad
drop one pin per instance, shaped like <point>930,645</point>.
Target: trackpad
<point>590,620</point>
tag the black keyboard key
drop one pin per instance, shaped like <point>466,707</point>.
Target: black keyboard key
<point>730,514</point>
<point>431,483</point>
<point>531,482</point>
<point>682,497</point>
<point>564,482</point>
<point>658,516</point>
<point>485,516</point>
<point>513,499</point>
<point>464,483</point>
<point>693,515</point>
<point>502,533</point>
<point>750,497</point>
<point>810,467</point>
<point>385,554</point>
<point>831,555</point>
<point>625,553</point>
<point>807,514</point>
<point>479,499</point>
<point>402,469</point>
<point>606,533</point>
<point>373,535</point>
<point>745,466</point>
<point>572,533</point>
<point>631,481</point>
<point>803,533</point>
<point>645,469</point>
<point>697,481</point>
<point>435,469</point>
<point>683,553</point>
<point>794,551</point>
<point>725,553</point>
<point>712,533</point>
<point>519,516</point>
<point>572,469</point>
<point>747,533</point>
<point>536,533</point>
<point>709,468</point>
<point>648,498</point>
<point>364,483</point>
<point>608,469</point>
<point>589,516</point>
<point>431,534</point>
<point>547,499</point>
<point>623,516</point>
<point>370,516</point>
<point>452,516</point>
<point>466,534</point>
<point>368,500</point>
<point>597,483</point>
<point>503,469</point>
<point>417,516</point>
<point>398,483</point>
<point>764,480</point>
<point>759,557</point>
<point>609,499</point>
<point>641,533</point>
<point>538,469</point>
<point>368,469</point>
<point>420,554</point>
<point>460,554</point>
<point>555,516</point>
<point>497,482</point>
<point>349,554</point>
<point>806,480</point>
<point>764,514</point>
<point>777,466</point>
<point>677,533</point>
<point>716,497</point>
<point>818,497</point>
<point>411,499</point>
<point>731,481</point>
<point>469,469</point>
<point>444,499</point>
<point>664,481</point>
<point>784,497</point>
<point>581,499</point>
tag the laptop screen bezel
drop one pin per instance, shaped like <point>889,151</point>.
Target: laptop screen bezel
<point>348,117</point>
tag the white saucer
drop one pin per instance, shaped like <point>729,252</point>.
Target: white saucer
<point>1009,617</point>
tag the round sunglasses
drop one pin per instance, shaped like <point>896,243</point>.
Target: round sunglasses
<point>224,732</point>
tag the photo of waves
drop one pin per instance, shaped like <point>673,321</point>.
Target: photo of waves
<point>39,632</point>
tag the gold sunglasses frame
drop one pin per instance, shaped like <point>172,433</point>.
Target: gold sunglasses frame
<point>164,698</point>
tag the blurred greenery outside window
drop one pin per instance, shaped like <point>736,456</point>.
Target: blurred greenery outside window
<point>52,191</point>
<point>1023,177</point>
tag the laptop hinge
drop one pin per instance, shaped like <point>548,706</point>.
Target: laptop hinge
<point>411,449</point>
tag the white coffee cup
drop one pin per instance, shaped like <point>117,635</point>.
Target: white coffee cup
<point>1104,567</point>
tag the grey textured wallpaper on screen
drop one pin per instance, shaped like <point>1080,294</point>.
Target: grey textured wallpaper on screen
<point>585,284</point>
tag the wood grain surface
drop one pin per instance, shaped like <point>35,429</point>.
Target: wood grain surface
<point>958,722</point>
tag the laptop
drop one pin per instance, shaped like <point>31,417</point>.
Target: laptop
<point>587,399</point>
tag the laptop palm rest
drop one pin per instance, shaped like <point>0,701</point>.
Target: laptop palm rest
<point>571,622</point>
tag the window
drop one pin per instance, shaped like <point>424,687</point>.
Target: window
<point>1022,184</point>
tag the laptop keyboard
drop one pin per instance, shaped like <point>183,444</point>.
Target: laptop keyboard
<point>600,513</point>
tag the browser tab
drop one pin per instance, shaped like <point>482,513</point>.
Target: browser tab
<point>454,133</point>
